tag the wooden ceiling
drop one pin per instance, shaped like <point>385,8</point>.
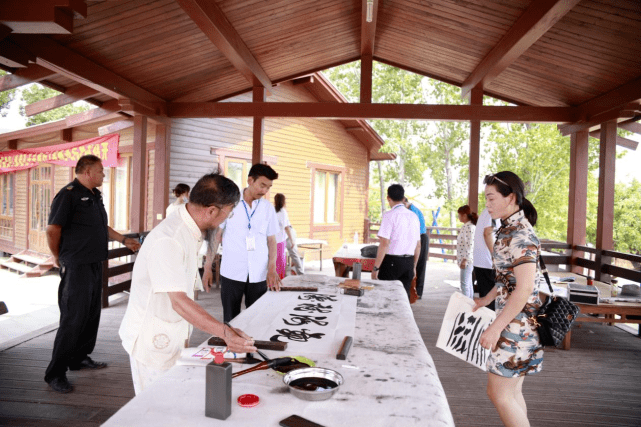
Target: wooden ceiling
<point>584,55</point>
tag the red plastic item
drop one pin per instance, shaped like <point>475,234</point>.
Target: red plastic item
<point>248,400</point>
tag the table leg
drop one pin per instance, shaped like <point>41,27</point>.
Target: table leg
<point>565,345</point>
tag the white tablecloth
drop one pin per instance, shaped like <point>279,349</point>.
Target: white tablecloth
<point>390,378</point>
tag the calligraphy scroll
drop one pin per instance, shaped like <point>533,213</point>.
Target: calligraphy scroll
<point>461,330</point>
<point>308,322</point>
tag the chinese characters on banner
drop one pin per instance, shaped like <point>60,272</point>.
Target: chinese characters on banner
<point>461,330</point>
<point>307,322</point>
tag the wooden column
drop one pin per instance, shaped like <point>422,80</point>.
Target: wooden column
<point>577,204</point>
<point>605,213</point>
<point>258,95</point>
<point>161,173</point>
<point>137,212</point>
<point>366,78</point>
<point>475,148</point>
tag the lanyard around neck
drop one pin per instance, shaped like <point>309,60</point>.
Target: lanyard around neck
<point>249,217</point>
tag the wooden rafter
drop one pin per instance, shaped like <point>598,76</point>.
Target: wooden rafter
<point>71,64</point>
<point>71,95</point>
<point>368,28</point>
<point>115,127</point>
<point>214,24</point>
<point>622,95</point>
<point>33,73</point>
<point>627,111</point>
<point>41,16</point>
<point>621,141</point>
<point>373,111</point>
<point>537,19</point>
<point>14,56</point>
<point>631,126</point>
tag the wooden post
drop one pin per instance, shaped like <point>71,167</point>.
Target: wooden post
<point>367,67</point>
<point>161,173</point>
<point>258,95</point>
<point>137,219</point>
<point>475,149</point>
<point>605,213</point>
<point>577,204</point>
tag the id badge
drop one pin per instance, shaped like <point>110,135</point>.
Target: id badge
<point>251,243</point>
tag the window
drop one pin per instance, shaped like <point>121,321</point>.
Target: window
<point>7,184</point>
<point>326,197</point>
<point>237,170</point>
<point>116,194</point>
<point>40,197</point>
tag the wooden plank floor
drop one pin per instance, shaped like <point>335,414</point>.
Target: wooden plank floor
<point>597,383</point>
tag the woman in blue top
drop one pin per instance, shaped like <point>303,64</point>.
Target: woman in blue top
<point>515,347</point>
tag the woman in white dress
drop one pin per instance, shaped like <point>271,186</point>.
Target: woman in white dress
<point>465,248</point>
<point>182,196</point>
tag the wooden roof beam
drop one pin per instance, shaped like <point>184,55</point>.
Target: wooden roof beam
<point>332,110</point>
<point>625,112</point>
<point>624,94</point>
<point>14,56</point>
<point>41,16</point>
<point>214,24</point>
<point>71,64</point>
<point>70,95</point>
<point>115,127</point>
<point>369,18</point>
<point>621,141</point>
<point>33,73</point>
<point>537,19</point>
<point>631,126</point>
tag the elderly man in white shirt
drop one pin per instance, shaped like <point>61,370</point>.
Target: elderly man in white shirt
<point>248,266</point>
<point>400,236</point>
<point>161,309</point>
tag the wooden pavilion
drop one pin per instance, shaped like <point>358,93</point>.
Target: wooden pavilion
<point>572,62</point>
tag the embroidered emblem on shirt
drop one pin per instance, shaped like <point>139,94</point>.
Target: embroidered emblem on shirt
<point>70,188</point>
<point>161,341</point>
<point>84,199</point>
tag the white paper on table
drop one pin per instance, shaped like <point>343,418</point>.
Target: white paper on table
<point>461,330</point>
<point>277,314</point>
<point>201,356</point>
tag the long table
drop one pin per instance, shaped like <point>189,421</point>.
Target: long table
<point>390,378</point>
<point>345,258</point>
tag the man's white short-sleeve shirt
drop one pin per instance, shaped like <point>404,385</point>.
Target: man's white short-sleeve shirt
<point>151,330</point>
<point>403,229</point>
<point>481,256</point>
<point>238,263</point>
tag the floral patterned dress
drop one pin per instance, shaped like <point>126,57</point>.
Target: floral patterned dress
<point>519,351</point>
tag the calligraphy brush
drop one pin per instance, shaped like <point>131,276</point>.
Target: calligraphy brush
<point>257,351</point>
<point>273,364</point>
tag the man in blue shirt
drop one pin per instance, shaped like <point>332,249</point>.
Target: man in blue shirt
<point>422,258</point>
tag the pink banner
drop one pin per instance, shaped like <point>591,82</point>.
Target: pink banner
<point>105,147</point>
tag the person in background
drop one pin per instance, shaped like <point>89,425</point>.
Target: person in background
<point>400,238</point>
<point>181,192</point>
<point>482,257</point>
<point>422,257</point>
<point>465,247</point>
<point>78,237</point>
<point>161,308</point>
<point>287,237</point>
<point>514,344</point>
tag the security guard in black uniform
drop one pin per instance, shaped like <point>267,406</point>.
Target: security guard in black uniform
<point>77,236</point>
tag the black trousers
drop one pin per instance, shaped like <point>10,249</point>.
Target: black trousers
<point>231,295</point>
<point>398,268</point>
<point>485,281</point>
<point>422,264</point>
<point>79,299</point>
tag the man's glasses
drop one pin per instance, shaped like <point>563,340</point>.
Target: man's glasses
<point>489,180</point>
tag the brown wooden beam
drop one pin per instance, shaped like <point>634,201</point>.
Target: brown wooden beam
<point>67,135</point>
<point>475,153</point>
<point>71,95</point>
<point>115,127</point>
<point>161,173</point>
<point>154,111</point>
<point>41,16</point>
<point>258,97</point>
<point>4,31</point>
<point>605,210</point>
<point>139,184</point>
<point>595,122</point>
<point>303,80</point>
<point>327,110</point>
<point>12,55</point>
<point>537,19</point>
<point>214,24</point>
<point>12,144</point>
<point>369,9</point>
<point>578,194</point>
<point>367,68</point>
<point>71,64</point>
<point>33,73</point>
<point>616,98</point>
<point>109,109</point>
<point>631,126</point>
<point>621,141</point>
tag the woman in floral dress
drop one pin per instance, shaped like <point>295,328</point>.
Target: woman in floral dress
<point>515,347</point>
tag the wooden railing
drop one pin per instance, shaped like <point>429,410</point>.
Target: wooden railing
<point>443,239</point>
<point>125,264</point>
<point>370,232</point>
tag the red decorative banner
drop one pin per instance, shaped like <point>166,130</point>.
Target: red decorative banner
<point>105,147</point>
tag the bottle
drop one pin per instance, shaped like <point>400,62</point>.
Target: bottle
<point>218,390</point>
<point>590,281</point>
<point>356,237</point>
<point>614,290</point>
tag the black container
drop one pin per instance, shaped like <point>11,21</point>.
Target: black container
<point>218,390</point>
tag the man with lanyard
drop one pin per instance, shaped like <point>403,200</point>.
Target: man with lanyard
<point>400,244</point>
<point>248,266</point>
<point>422,258</point>
<point>77,236</point>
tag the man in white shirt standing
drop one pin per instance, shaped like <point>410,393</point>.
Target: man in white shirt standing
<point>161,309</point>
<point>482,255</point>
<point>248,266</point>
<point>400,246</point>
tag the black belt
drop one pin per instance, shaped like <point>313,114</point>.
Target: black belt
<point>401,256</point>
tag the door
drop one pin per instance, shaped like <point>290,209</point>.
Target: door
<point>40,206</point>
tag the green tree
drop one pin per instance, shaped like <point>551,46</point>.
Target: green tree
<point>38,92</point>
<point>5,98</point>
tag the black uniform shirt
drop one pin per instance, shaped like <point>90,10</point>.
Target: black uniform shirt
<point>83,219</point>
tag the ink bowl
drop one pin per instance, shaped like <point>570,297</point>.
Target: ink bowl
<point>313,383</point>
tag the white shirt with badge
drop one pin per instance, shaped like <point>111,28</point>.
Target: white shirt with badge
<point>151,330</point>
<point>245,249</point>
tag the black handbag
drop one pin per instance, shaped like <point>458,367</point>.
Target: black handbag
<point>369,251</point>
<point>555,317</point>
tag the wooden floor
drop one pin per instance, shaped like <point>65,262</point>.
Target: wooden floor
<point>597,383</point>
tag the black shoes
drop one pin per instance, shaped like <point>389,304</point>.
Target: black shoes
<point>60,384</point>
<point>87,363</point>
